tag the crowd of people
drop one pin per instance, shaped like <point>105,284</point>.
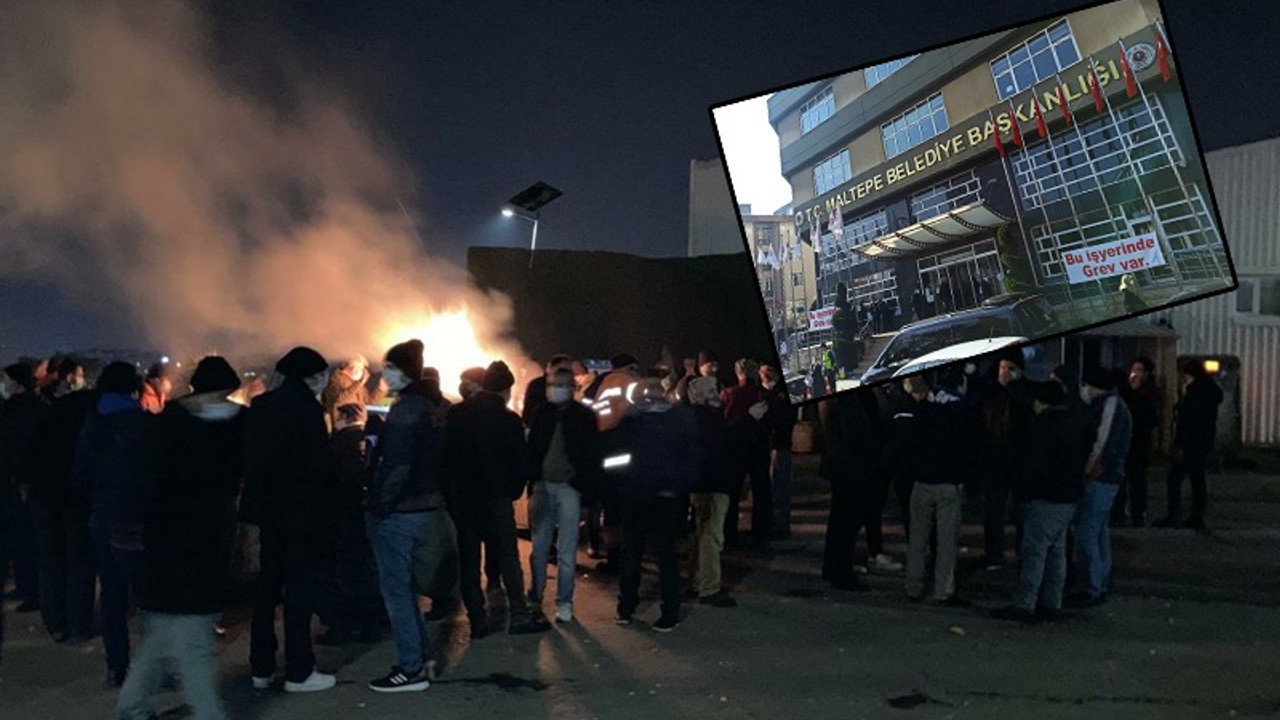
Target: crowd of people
<point>1061,464</point>
<point>121,495</point>
<point>126,495</point>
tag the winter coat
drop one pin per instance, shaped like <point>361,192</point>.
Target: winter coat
<point>1146,419</point>
<point>781,418</point>
<point>65,419</point>
<point>1197,416</point>
<point>738,423</point>
<point>407,473</point>
<point>198,462</point>
<point>665,452</point>
<point>345,390</point>
<point>483,453</point>
<point>1110,430</point>
<point>112,467</point>
<point>1055,450</point>
<point>581,443</point>
<point>289,483</point>
<point>22,417</point>
<point>853,438</point>
<point>931,446</point>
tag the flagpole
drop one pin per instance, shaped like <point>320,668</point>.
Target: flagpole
<point>1137,176</point>
<point>1062,180</point>
<point>1013,194</point>
<point>1173,166</point>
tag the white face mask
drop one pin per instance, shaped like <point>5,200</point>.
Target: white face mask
<point>396,379</point>
<point>559,395</point>
<point>76,383</point>
<point>317,383</point>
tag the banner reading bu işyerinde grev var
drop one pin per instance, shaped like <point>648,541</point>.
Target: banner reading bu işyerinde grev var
<point>1113,259</point>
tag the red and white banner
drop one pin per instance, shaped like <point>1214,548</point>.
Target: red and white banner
<point>1113,259</point>
<point>821,319</point>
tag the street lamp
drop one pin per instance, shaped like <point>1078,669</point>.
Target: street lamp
<point>527,204</point>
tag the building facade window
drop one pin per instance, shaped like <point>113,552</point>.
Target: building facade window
<point>874,288</point>
<point>957,192</point>
<point>797,279</point>
<point>1183,222</point>
<point>1258,298</point>
<point>876,74</point>
<point>1094,157</point>
<point>839,255</point>
<point>833,171</point>
<point>1047,52</point>
<point>817,110</point>
<point>914,126</point>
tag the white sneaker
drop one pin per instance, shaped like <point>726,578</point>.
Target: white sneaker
<point>262,683</point>
<point>316,682</point>
<point>564,614</point>
<point>884,563</point>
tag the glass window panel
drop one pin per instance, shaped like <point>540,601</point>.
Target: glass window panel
<point>1024,76</point>
<point>935,103</point>
<point>1067,55</point>
<point>927,127</point>
<point>1019,55</point>
<point>1038,44</point>
<point>1045,65</point>
<point>1244,296</point>
<point>940,120</point>
<point>913,135</point>
<point>1059,31</point>
<point>1000,65</point>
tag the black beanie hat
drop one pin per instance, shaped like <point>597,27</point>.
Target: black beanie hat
<point>621,361</point>
<point>498,377</point>
<point>301,362</point>
<point>705,357</point>
<point>214,373</point>
<point>408,357</point>
<point>119,377</point>
<point>22,374</point>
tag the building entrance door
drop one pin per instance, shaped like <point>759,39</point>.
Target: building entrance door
<point>962,280</point>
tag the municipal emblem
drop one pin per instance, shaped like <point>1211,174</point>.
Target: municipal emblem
<point>1141,56</point>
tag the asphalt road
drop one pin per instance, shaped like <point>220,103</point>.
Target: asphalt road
<point>1192,631</point>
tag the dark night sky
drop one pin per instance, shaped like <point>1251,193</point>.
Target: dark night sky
<point>608,101</point>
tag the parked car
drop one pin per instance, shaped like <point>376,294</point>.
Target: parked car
<point>1002,321</point>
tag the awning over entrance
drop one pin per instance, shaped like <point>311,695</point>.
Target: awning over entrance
<point>953,225</point>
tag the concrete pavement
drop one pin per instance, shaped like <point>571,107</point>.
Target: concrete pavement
<point>1192,631</point>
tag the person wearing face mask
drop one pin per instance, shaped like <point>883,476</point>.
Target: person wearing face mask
<point>1110,430</point>
<point>406,507</point>
<point>535,393</point>
<point>349,386</point>
<point>67,570</point>
<point>484,464</point>
<point>1004,410</point>
<point>290,491</point>
<point>565,465</point>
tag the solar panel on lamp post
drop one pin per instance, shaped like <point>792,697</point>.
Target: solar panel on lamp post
<point>527,204</point>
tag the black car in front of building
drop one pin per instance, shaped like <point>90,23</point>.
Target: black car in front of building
<point>1001,321</point>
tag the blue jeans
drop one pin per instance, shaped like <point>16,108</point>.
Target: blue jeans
<point>552,506</point>
<point>189,640</point>
<point>394,539</point>
<point>781,473</point>
<point>1093,539</point>
<point>1043,554</point>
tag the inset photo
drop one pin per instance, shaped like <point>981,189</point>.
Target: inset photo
<point>989,193</point>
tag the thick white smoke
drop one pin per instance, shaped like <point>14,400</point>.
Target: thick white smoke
<point>130,168</point>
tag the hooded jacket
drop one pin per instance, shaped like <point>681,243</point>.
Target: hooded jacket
<point>198,464</point>
<point>289,485</point>
<point>407,475</point>
<point>112,467</point>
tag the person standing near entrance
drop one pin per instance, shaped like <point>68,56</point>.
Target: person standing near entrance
<point>1143,400</point>
<point>1195,421</point>
<point>1004,412</point>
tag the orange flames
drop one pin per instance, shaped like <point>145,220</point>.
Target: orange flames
<point>451,345</point>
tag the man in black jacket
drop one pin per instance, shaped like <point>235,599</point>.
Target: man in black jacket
<point>23,422</point>
<point>852,441</point>
<point>781,420</point>
<point>289,492</point>
<point>111,467</point>
<point>405,501</point>
<point>1142,398</point>
<point>662,444</point>
<point>937,458</point>
<point>1196,420</point>
<point>197,460</point>
<point>565,465</point>
<point>67,571</point>
<point>484,466</point>
<point>535,393</point>
<point>1049,484</point>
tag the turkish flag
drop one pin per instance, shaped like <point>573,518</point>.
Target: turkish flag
<point>1044,131</point>
<point>1062,103</point>
<point>1162,57</point>
<point>1130,84</point>
<point>995,138</point>
<point>1095,89</point>
<point>1017,133</point>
